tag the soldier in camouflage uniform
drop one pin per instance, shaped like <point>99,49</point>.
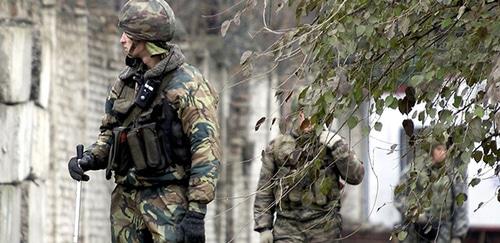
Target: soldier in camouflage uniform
<point>159,135</point>
<point>441,220</point>
<point>300,182</point>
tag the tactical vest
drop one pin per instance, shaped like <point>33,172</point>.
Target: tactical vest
<point>304,177</point>
<point>150,140</point>
<point>442,199</point>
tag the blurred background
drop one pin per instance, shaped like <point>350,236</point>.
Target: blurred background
<point>57,61</point>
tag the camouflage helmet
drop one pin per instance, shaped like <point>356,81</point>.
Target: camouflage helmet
<point>148,20</point>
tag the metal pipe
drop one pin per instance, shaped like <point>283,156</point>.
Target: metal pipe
<point>79,155</point>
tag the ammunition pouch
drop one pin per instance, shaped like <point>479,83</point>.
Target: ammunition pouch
<point>146,149</point>
<point>138,147</point>
<point>322,191</point>
<point>119,159</point>
<point>149,142</point>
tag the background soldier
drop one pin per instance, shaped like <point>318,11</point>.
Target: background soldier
<point>159,135</point>
<point>442,220</point>
<point>300,182</point>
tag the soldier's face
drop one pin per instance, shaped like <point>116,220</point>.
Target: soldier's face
<point>438,154</point>
<point>301,119</point>
<point>130,47</point>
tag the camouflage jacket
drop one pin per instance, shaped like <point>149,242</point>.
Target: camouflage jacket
<point>195,102</point>
<point>300,180</point>
<point>435,188</point>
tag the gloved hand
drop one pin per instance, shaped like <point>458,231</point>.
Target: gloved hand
<point>77,168</point>
<point>192,228</point>
<point>266,236</point>
<point>329,138</point>
<point>456,240</point>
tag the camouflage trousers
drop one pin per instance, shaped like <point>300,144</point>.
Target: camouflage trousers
<point>147,215</point>
<point>440,233</point>
<point>318,230</point>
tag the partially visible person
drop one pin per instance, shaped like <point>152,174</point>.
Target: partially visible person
<point>431,204</point>
<point>299,189</point>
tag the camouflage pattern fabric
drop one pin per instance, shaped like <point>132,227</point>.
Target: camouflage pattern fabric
<point>443,218</point>
<point>147,215</point>
<point>440,233</point>
<point>303,195</point>
<point>151,20</point>
<point>196,104</point>
<point>320,230</point>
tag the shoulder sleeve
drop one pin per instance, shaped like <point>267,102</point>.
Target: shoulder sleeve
<point>197,109</point>
<point>100,149</point>
<point>351,169</point>
<point>460,222</point>
<point>264,205</point>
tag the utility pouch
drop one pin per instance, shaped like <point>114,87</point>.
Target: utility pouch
<point>322,187</point>
<point>145,148</point>
<point>119,153</point>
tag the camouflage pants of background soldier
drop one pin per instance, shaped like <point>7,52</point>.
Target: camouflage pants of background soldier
<point>319,230</point>
<point>147,215</point>
<point>417,233</point>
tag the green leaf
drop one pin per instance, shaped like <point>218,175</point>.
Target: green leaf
<point>460,199</point>
<point>326,186</point>
<point>379,106</point>
<point>474,182</point>
<point>399,188</point>
<point>365,131</point>
<point>378,126</point>
<point>303,93</point>
<point>307,198</point>
<point>390,100</point>
<point>402,235</point>
<point>446,23</point>
<point>475,129</point>
<point>444,115</point>
<point>477,155</point>
<point>431,112</point>
<point>421,116</point>
<point>489,159</point>
<point>352,121</point>
<point>465,156</point>
<point>479,111</point>
<point>358,95</point>
<point>457,102</point>
<point>404,25</point>
<point>360,30</point>
<point>417,79</point>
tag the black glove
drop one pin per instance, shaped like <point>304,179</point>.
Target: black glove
<point>77,170</point>
<point>192,228</point>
